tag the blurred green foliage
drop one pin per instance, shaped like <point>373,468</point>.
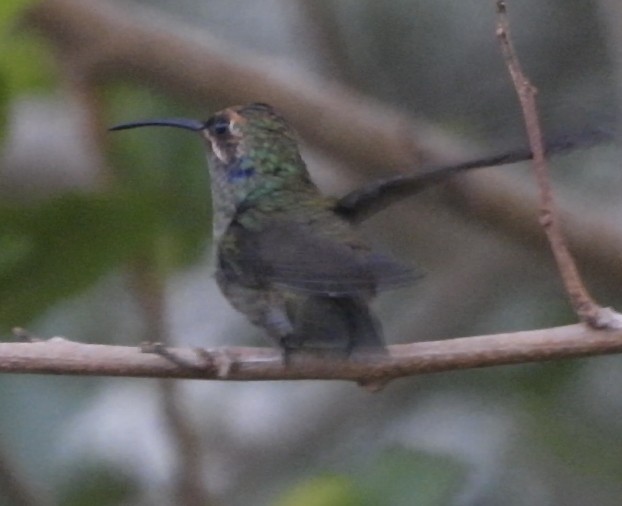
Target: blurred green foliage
<point>157,207</point>
<point>398,477</point>
<point>24,61</point>
<point>168,164</point>
<point>97,485</point>
<point>326,490</point>
<point>61,246</point>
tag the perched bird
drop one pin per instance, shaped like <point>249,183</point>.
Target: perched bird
<point>286,257</point>
<point>290,258</point>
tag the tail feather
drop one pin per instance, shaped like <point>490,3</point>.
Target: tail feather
<point>336,322</point>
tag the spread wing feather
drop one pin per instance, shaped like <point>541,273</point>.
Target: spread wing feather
<point>300,258</point>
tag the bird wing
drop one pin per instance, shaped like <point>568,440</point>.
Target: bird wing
<point>360,204</point>
<point>301,258</point>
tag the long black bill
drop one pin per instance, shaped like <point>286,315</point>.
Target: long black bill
<point>187,124</point>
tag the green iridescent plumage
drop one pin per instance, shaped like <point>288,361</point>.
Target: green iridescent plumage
<point>285,257</point>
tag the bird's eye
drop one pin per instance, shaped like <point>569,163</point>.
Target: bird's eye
<point>221,127</point>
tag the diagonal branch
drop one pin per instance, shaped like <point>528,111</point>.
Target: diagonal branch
<point>585,307</point>
<point>60,356</point>
<point>110,44</point>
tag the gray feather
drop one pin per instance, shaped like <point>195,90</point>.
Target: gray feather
<point>298,258</point>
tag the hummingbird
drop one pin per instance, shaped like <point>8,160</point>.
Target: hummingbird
<point>290,258</point>
<point>285,257</point>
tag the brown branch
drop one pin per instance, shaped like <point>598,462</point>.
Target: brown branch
<point>60,356</point>
<point>111,44</point>
<point>583,304</point>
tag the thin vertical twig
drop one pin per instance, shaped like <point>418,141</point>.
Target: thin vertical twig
<point>17,489</point>
<point>584,305</point>
<point>322,22</point>
<point>189,489</point>
<point>148,289</point>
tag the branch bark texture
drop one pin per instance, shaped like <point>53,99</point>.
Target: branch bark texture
<point>60,356</point>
